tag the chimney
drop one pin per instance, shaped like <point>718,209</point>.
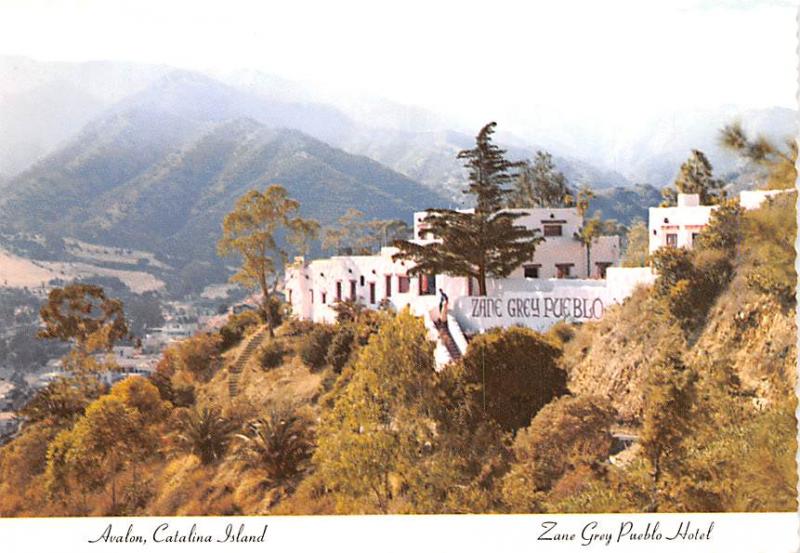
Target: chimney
<point>688,200</point>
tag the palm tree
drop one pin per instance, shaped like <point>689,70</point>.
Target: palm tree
<point>279,443</point>
<point>206,433</point>
<point>586,235</point>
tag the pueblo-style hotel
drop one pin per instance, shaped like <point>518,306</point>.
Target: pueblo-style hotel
<point>561,282</point>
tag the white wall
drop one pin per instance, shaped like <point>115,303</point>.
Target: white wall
<point>304,281</point>
<point>539,304</point>
<point>681,221</point>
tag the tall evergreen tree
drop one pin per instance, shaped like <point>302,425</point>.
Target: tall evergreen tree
<point>540,184</point>
<point>489,172</point>
<point>484,243</point>
<point>696,177</point>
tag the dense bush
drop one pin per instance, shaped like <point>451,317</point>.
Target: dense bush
<point>314,349</point>
<point>769,248</point>
<point>340,348</point>
<point>199,356</point>
<point>567,434</point>
<point>271,354</point>
<point>513,373</point>
<point>297,327</point>
<point>237,326</point>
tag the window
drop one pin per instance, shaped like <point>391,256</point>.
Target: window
<point>372,292</point>
<point>531,271</point>
<point>552,230</point>
<point>353,290</point>
<point>601,268</point>
<point>290,295</point>
<point>672,239</point>
<point>388,286</point>
<point>324,297</point>
<point>311,293</point>
<point>427,285</point>
<point>695,235</point>
<point>563,270</point>
<point>361,280</point>
<point>403,284</point>
<point>338,290</point>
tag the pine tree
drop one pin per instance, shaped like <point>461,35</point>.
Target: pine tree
<point>484,243</point>
<point>540,184</point>
<point>779,162</point>
<point>696,177</point>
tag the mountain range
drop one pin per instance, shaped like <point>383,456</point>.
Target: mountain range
<point>151,158</point>
<point>144,178</point>
<point>44,104</point>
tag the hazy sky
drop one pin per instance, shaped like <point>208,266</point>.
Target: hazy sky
<point>604,60</point>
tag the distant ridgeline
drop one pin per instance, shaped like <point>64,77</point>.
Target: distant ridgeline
<point>163,184</point>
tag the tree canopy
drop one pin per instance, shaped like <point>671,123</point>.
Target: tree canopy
<point>540,184</point>
<point>353,234</point>
<point>263,229</point>
<point>84,314</point>
<point>696,176</point>
<point>482,243</point>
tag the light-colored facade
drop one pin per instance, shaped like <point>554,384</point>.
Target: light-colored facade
<point>679,226</point>
<point>561,255</point>
<point>313,288</point>
<point>557,284</point>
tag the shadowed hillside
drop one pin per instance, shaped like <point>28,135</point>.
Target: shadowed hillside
<point>146,179</point>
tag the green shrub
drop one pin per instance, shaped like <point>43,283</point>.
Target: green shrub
<point>297,327</point>
<point>271,354</point>
<point>314,348</point>
<point>511,374</point>
<point>341,347</point>
<point>237,326</point>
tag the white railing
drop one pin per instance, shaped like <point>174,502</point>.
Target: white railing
<point>457,334</point>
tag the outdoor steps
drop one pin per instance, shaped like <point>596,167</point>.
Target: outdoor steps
<point>447,340</point>
<point>244,356</point>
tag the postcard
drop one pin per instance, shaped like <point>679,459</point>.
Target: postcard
<point>427,276</point>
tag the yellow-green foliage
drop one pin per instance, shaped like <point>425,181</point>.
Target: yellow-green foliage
<point>769,248</point>
<point>637,245</point>
<point>567,435</point>
<point>375,432</point>
<point>117,432</point>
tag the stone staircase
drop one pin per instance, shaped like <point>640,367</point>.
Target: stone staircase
<point>447,339</point>
<point>235,370</point>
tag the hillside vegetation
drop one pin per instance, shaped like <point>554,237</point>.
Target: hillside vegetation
<point>744,328</point>
<point>352,418</point>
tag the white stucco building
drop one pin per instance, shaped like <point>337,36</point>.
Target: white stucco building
<point>558,274</point>
<point>556,284</point>
<point>312,288</point>
<point>679,226</point>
